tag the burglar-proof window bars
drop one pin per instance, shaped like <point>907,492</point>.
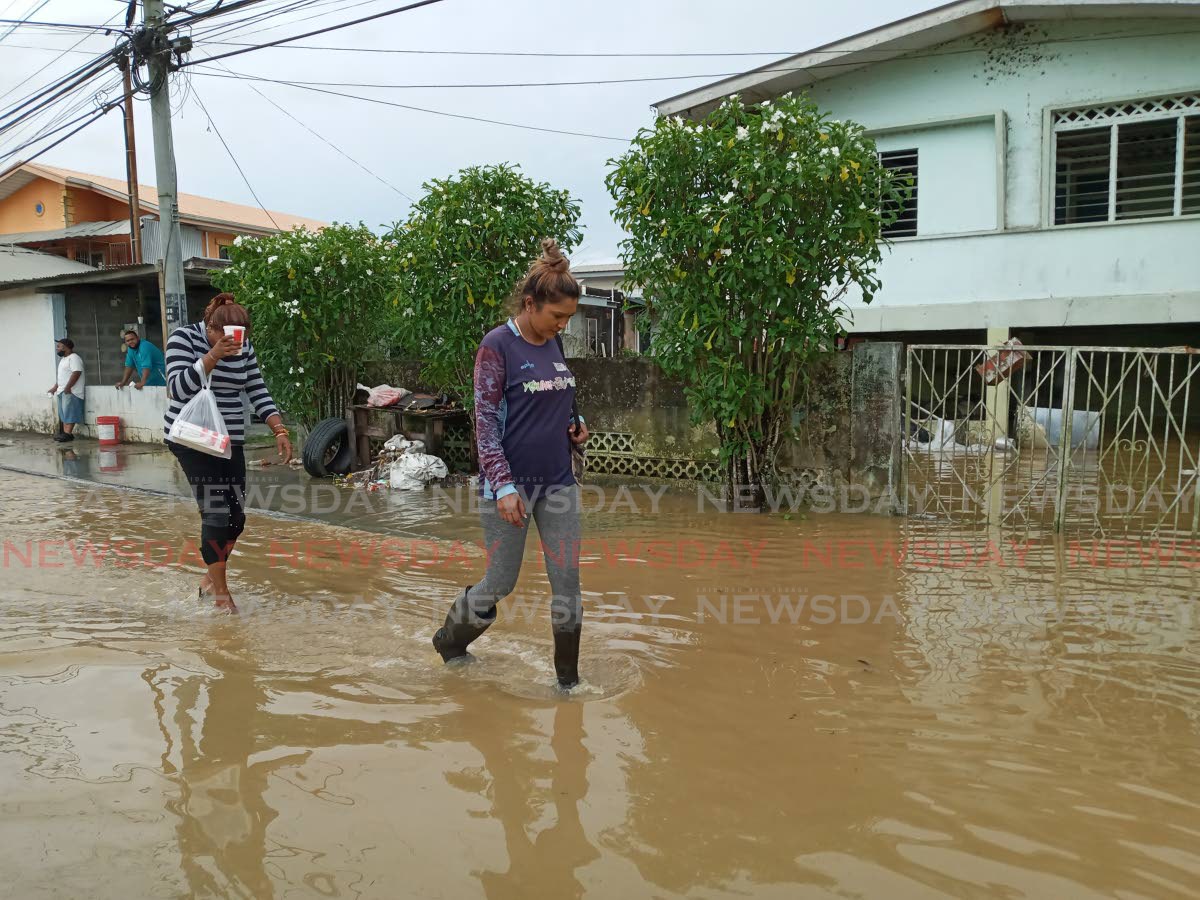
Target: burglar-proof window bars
<point>1136,160</point>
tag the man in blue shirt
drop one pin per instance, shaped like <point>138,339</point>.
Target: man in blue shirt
<point>145,360</point>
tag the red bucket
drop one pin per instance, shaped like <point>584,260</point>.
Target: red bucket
<point>108,429</point>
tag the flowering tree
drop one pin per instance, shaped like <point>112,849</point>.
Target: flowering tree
<point>747,230</point>
<point>320,303</point>
<point>467,245</point>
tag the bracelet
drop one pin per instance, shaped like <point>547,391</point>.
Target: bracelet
<point>282,429</point>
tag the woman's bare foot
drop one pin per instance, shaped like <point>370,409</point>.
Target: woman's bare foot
<point>225,604</point>
<point>206,585</point>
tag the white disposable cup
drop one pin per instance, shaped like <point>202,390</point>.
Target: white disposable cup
<point>237,331</point>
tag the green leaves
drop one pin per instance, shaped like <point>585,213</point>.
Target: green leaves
<point>468,243</point>
<point>320,302</point>
<point>778,206</point>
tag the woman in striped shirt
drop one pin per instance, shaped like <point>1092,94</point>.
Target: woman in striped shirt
<point>219,484</point>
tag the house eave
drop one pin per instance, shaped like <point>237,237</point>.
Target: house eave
<point>908,35</point>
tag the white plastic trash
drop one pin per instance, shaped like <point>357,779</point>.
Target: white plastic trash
<point>400,444</point>
<point>412,471</point>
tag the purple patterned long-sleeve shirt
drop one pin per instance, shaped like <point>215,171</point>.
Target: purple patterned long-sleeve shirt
<point>523,397</point>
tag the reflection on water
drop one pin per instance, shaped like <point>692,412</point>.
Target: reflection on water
<point>822,706</point>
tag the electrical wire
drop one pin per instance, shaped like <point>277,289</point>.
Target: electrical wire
<point>300,37</point>
<point>485,84</point>
<point>52,25</point>
<point>47,95</point>
<point>45,134</point>
<point>53,61</point>
<point>235,162</point>
<point>783,55</point>
<point>330,143</point>
<point>37,8</point>
<point>438,112</point>
<point>99,114</point>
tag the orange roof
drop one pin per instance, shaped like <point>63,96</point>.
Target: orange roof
<point>193,210</point>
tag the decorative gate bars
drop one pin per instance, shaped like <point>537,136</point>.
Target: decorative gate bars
<point>1097,439</point>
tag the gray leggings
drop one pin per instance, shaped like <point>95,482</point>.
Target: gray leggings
<point>557,518</point>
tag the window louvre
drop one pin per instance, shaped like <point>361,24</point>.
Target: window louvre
<point>1081,180</point>
<point>1191,166</point>
<point>903,166</point>
<point>1146,169</point>
<point>1127,161</point>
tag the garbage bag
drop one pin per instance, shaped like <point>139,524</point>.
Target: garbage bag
<point>384,394</point>
<point>412,471</point>
<point>398,443</point>
<point>200,424</point>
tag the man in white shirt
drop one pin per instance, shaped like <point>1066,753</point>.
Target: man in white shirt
<point>69,388</point>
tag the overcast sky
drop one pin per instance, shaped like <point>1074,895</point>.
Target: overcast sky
<point>296,172</point>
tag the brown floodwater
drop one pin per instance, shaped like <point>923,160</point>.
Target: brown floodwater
<point>949,714</point>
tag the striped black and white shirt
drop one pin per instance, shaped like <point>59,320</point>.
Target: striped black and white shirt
<point>231,377</point>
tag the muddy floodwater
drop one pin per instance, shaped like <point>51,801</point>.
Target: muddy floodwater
<point>813,706</point>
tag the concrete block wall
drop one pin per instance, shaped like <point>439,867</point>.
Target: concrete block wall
<point>96,318</point>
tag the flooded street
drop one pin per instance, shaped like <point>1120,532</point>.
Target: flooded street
<point>813,706</point>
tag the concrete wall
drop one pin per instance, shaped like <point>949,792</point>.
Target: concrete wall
<point>1044,273</point>
<point>141,411</point>
<point>28,365</point>
<point>96,319</point>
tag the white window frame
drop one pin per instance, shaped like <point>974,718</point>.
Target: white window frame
<point>1176,105</point>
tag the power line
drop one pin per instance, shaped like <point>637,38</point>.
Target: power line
<point>40,137</point>
<point>52,62</point>
<point>26,23</point>
<point>300,37</point>
<point>235,162</point>
<point>26,18</point>
<point>487,84</point>
<point>438,112</point>
<point>95,117</point>
<point>322,138</point>
<point>674,54</point>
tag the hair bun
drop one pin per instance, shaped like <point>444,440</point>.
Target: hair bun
<point>552,258</point>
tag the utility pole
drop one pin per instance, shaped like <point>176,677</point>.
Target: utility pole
<point>135,205</point>
<point>159,60</point>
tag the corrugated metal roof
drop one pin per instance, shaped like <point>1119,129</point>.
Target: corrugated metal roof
<point>82,230</point>
<point>20,264</point>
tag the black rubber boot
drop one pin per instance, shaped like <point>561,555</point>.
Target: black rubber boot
<point>566,657</point>
<point>461,628</point>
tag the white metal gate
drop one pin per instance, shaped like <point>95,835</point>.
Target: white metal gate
<point>1097,439</point>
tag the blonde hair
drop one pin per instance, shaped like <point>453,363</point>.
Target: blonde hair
<point>549,280</point>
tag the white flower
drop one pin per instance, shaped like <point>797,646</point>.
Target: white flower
<point>699,129</point>
<point>369,272</point>
<point>301,370</point>
<point>317,270</point>
<point>836,151</point>
<point>726,252</point>
<point>271,259</point>
<point>742,132</point>
<point>727,197</point>
<point>297,384</point>
<point>770,240</point>
<point>344,260</point>
<point>291,371</point>
<point>237,241</point>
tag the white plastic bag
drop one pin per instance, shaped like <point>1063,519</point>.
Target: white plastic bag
<point>200,425</point>
<point>384,394</point>
<point>412,471</point>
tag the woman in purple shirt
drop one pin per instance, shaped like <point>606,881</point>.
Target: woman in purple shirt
<point>524,395</point>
